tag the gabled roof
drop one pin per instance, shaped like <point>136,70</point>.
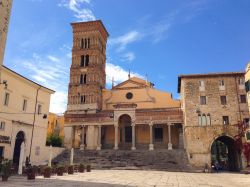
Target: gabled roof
<point>133,82</point>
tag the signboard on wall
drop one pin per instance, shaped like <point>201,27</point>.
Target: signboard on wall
<point>5,139</point>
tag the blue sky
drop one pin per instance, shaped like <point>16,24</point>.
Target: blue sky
<point>157,38</point>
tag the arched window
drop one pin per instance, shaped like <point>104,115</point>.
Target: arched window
<point>83,99</point>
<point>85,79</point>
<point>85,43</point>
<point>87,60</point>
<point>81,79</point>
<point>81,43</point>
<point>203,120</point>
<point>88,42</point>
<point>82,61</point>
<point>199,120</point>
<point>208,119</point>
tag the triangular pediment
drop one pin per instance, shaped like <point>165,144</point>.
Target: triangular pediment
<point>133,82</point>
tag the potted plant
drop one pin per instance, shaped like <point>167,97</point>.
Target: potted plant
<point>47,172</point>
<point>81,168</point>
<point>71,169</point>
<point>5,169</point>
<point>60,170</point>
<point>31,172</point>
<point>88,168</point>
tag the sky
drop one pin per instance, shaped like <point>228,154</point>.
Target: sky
<point>154,39</point>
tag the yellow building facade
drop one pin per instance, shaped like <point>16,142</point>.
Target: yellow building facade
<point>55,125</point>
<point>24,107</point>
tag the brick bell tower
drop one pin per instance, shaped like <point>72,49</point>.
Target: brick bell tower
<point>87,71</point>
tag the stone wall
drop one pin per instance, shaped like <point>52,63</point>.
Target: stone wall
<point>198,139</point>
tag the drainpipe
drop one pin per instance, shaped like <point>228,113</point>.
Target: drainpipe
<point>236,87</point>
<point>34,119</point>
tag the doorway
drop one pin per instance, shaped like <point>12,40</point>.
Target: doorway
<point>225,154</point>
<point>17,149</point>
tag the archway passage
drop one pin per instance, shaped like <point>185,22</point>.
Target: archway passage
<point>125,129</point>
<point>224,152</point>
<point>17,149</point>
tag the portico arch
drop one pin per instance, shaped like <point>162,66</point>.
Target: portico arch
<point>224,152</point>
<point>125,127</point>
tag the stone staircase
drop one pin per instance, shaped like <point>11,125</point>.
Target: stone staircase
<point>162,159</point>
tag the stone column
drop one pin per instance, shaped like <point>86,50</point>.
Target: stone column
<point>99,145</point>
<point>82,146</point>
<point>116,136</point>
<point>151,145</point>
<point>169,137</point>
<point>133,136</point>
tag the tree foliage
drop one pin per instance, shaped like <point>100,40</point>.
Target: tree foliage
<point>54,140</point>
<point>243,146</point>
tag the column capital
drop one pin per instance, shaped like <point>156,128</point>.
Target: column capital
<point>151,123</point>
<point>132,124</point>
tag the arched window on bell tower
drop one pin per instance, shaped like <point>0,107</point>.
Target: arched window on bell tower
<point>87,60</point>
<point>82,61</point>
<point>85,79</point>
<point>82,43</point>
<point>81,79</point>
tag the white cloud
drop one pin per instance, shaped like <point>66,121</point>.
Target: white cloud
<point>81,12</point>
<point>58,102</point>
<point>53,58</point>
<point>125,39</point>
<point>56,76</point>
<point>118,73</point>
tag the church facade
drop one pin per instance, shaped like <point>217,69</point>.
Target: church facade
<point>134,115</point>
<point>131,115</point>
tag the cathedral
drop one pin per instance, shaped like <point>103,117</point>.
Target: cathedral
<point>135,115</point>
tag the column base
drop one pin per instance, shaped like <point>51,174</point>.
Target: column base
<point>116,148</point>
<point>98,148</point>
<point>151,147</point>
<point>82,147</point>
<point>133,148</point>
<point>170,146</point>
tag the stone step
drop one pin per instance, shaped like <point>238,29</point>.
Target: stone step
<point>162,159</point>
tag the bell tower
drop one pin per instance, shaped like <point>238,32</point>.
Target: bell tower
<point>87,71</point>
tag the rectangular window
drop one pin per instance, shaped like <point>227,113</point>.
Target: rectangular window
<point>203,100</point>
<point>6,99</point>
<point>25,104</point>
<point>223,100</point>
<point>246,120</point>
<point>225,120</point>
<point>2,126</point>
<point>243,99</point>
<point>203,120</point>
<point>39,109</point>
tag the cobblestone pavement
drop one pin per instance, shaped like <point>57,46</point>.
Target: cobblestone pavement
<point>131,178</point>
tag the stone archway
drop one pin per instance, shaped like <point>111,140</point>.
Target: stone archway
<point>224,152</point>
<point>125,127</point>
<point>20,138</point>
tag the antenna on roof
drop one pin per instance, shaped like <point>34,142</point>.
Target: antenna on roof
<point>113,82</point>
<point>129,74</point>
